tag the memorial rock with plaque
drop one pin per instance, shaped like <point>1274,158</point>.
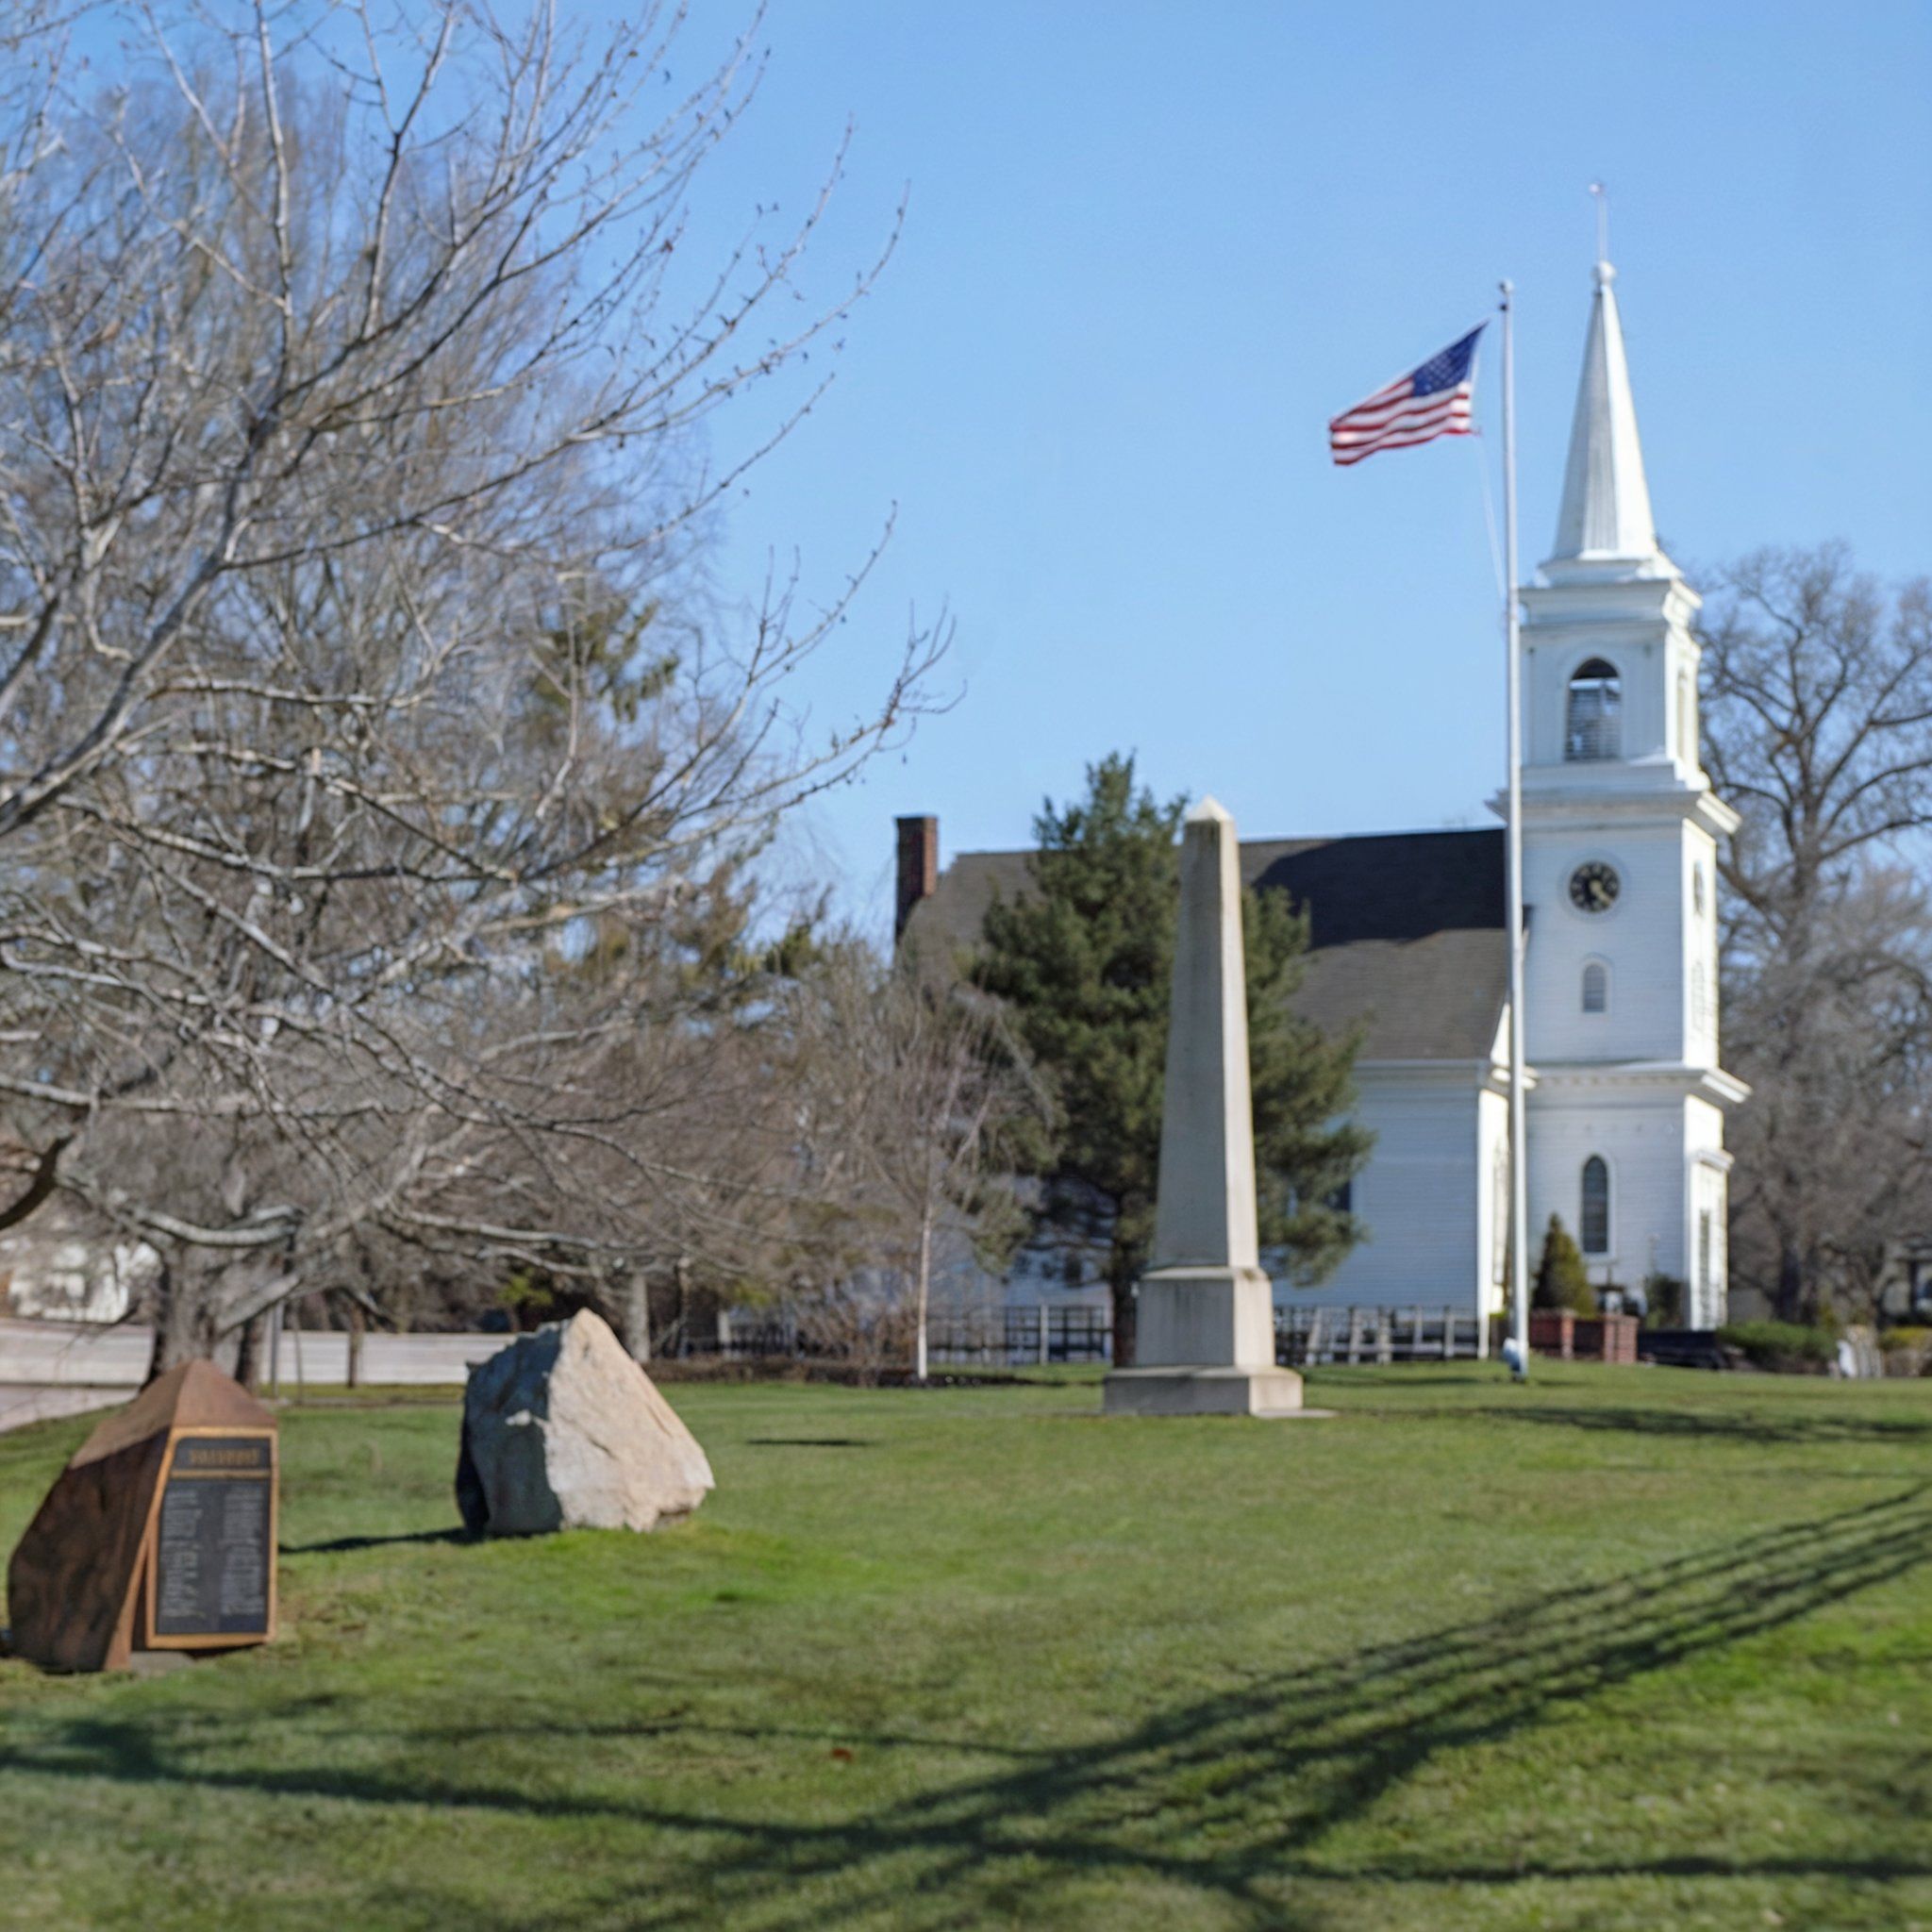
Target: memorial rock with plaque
<point>159,1534</point>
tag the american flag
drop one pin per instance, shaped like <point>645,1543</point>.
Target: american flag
<point>1426,403</point>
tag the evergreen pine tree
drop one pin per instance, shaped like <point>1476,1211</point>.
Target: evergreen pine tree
<point>1561,1279</point>
<point>1083,958</point>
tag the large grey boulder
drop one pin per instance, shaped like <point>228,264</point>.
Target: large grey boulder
<point>562,1430</point>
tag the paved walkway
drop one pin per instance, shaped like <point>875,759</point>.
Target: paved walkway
<point>60,1368</point>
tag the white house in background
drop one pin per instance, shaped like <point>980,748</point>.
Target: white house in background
<point>1621,829</point>
<point>48,1270</point>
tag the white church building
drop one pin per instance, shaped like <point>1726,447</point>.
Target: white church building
<point>1626,1098</point>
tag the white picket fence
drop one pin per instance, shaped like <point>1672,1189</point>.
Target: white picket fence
<point>1414,1334</point>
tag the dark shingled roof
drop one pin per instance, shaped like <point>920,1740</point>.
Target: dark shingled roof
<point>1405,931</point>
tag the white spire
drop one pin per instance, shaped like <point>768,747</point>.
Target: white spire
<point>1606,515</point>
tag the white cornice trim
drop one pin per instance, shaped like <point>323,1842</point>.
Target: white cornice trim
<point>1705,1083</point>
<point>1720,819</point>
<point>1566,605</point>
<point>1565,800</point>
<point>1725,1089</point>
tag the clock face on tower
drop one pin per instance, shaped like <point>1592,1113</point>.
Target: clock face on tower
<point>1593,886</point>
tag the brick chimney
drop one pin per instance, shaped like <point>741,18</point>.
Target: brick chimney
<point>919,869</point>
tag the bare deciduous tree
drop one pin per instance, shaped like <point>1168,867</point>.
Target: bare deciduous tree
<point>919,1084</point>
<point>357,365</point>
<point>1818,723</point>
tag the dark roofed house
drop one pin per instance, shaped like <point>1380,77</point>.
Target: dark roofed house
<point>1405,936</point>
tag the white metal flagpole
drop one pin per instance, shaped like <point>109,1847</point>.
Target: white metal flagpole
<point>1519,1172</point>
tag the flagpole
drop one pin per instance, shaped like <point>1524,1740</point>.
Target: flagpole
<point>1518,1175</point>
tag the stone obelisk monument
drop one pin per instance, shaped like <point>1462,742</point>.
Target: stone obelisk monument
<point>1205,1330</point>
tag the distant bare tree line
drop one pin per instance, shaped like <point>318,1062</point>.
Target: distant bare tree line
<point>1818,725</point>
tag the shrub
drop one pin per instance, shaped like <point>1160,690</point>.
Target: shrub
<point>1785,1348</point>
<point>1907,1350</point>
<point>1664,1301</point>
<point>1561,1281</point>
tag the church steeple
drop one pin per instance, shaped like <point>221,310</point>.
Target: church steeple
<point>1610,653</point>
<point>1606,520</point>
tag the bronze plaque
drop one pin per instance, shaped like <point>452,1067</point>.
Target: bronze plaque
<point>213,1579</point>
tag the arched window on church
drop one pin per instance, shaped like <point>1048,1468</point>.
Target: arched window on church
<point>1594,1224</point>
<point>1593,720</point>
<point>1687,718</point>
<point>1596,987</point>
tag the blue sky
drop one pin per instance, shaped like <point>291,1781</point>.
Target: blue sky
<point>1151,249</point>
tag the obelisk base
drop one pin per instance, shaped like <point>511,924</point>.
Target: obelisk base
<point>1206,1346</point>
<point>1264,1393</point>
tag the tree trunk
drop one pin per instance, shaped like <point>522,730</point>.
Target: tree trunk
<point>919,1369</point>
<point>636,1312</point>
<point>1125,1313</point>
<point>1791,1280</point>
<point>682,1270</point>
<point>248,1353</point>
<point>184,1322</point>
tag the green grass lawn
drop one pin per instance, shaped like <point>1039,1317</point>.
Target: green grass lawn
<point>1623,1648</point>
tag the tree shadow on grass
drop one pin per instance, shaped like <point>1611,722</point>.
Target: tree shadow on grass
<point>809,1443</point>
<point>1907,1431</point>
<point>376,1542</point>
<point>1229,1800</point>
